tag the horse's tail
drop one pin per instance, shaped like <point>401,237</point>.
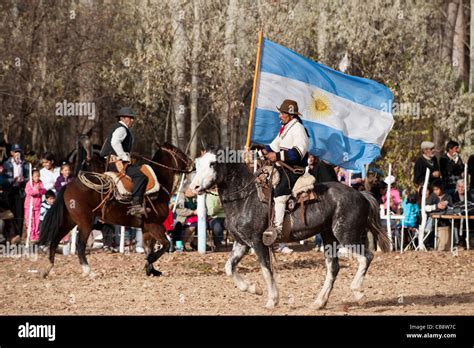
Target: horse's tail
<point>374,222</point>
<point>53,220</point>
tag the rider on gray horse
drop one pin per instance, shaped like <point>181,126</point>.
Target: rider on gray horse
<point>117,149</point>
<point>290,147</point>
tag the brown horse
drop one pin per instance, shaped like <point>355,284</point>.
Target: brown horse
<point>76,205</point>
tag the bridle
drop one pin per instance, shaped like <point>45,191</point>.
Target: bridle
<point>255,176</point>
<point>176,156</point>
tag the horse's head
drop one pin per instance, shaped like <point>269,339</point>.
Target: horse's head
<point>208,172</point>
<point>174,158</point>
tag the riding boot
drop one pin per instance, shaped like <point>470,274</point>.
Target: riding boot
<point>137,208</point>
<point>275,232</point>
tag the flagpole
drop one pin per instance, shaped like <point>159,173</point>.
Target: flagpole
<point>254,90</point>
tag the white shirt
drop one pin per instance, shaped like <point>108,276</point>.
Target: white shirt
<point>116,141</point>
<point>293,136</point>
<point>48,177</point>
<point>17,168</point>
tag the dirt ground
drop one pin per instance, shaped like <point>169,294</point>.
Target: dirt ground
<point>414,283</point>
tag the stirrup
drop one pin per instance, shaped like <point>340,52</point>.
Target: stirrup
<point>271,235</point>
<point>137,210</point>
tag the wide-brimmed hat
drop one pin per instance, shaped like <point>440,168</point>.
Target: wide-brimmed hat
<point>126,111</point>
<point>289,107</point>
<point>16,148</point>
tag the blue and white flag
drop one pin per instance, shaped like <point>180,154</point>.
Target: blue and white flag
<point>348,118</point>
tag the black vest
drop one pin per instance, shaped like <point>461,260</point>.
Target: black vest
<point>107,148</point>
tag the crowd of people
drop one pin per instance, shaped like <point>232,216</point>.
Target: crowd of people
<point>27,191</point>
<point>25,201</point>
<point>24,204</point>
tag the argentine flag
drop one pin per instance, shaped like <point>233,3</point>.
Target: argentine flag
<point>348,118</point>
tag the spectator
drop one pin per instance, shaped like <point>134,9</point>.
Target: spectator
<point>15,175</point>
<point>427,160</point>
<point>65,177</point>
<point>173,228</point>
<point>395,199</point>
<point>50,196</point>
<point>411,211</point>
<point>451,166</point>
<point>216,215</point>
<point>459,198</point>
<point>459,195</point>
<point>186,214</point>
<point>34,191</point>
<point>437,202</point>
<point>109,235</point>
<point>49,173</point>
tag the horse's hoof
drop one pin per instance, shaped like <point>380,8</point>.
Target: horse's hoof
<point>156,273</point>
<point>44,274</point>
<point>153,272</point>
<point>255,289</point>
<point>318,305</point>
<point>270,304</point>
<point>360,297</point>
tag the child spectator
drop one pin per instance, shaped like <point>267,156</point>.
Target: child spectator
<point>395,199</point>
<point>186,213</point>
<point>411,211</point>
<point>34,190</point>
<point>437,202</point>
<point>49,173</point>
<point>50,196</point>
<point>65,177</point>
<point>173,229</point>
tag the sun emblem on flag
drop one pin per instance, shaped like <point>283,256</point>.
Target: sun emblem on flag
<point>319,107</point>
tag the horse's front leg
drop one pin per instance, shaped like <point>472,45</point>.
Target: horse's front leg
<point>154,233</point>
<point>263,254</point>
<point>238,252</point>
<point>332,269</point>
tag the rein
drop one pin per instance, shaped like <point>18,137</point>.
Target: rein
<point>175,155</point>
<point>255,176</point>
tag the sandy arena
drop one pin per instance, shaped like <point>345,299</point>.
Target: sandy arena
<point>414,283</point>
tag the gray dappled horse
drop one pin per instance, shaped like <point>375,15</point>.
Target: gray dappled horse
<point>342,216</point>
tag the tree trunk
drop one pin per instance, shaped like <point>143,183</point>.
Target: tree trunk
<point>322,33</point>
<point>447,51</point>
<point>229,58</point>
<point>459,63</point>
<point>178,62</point>
<point>86,77</point>
<point>194,78</point>
<point>471,65</point>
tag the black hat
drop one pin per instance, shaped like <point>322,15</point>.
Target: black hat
<point>16,148</point>
<point>126,111</point>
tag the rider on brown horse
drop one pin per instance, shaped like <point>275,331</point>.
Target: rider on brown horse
<point>117,149</point>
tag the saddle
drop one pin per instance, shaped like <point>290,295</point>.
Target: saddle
<point>123,183</point>
<point>302,192</point>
